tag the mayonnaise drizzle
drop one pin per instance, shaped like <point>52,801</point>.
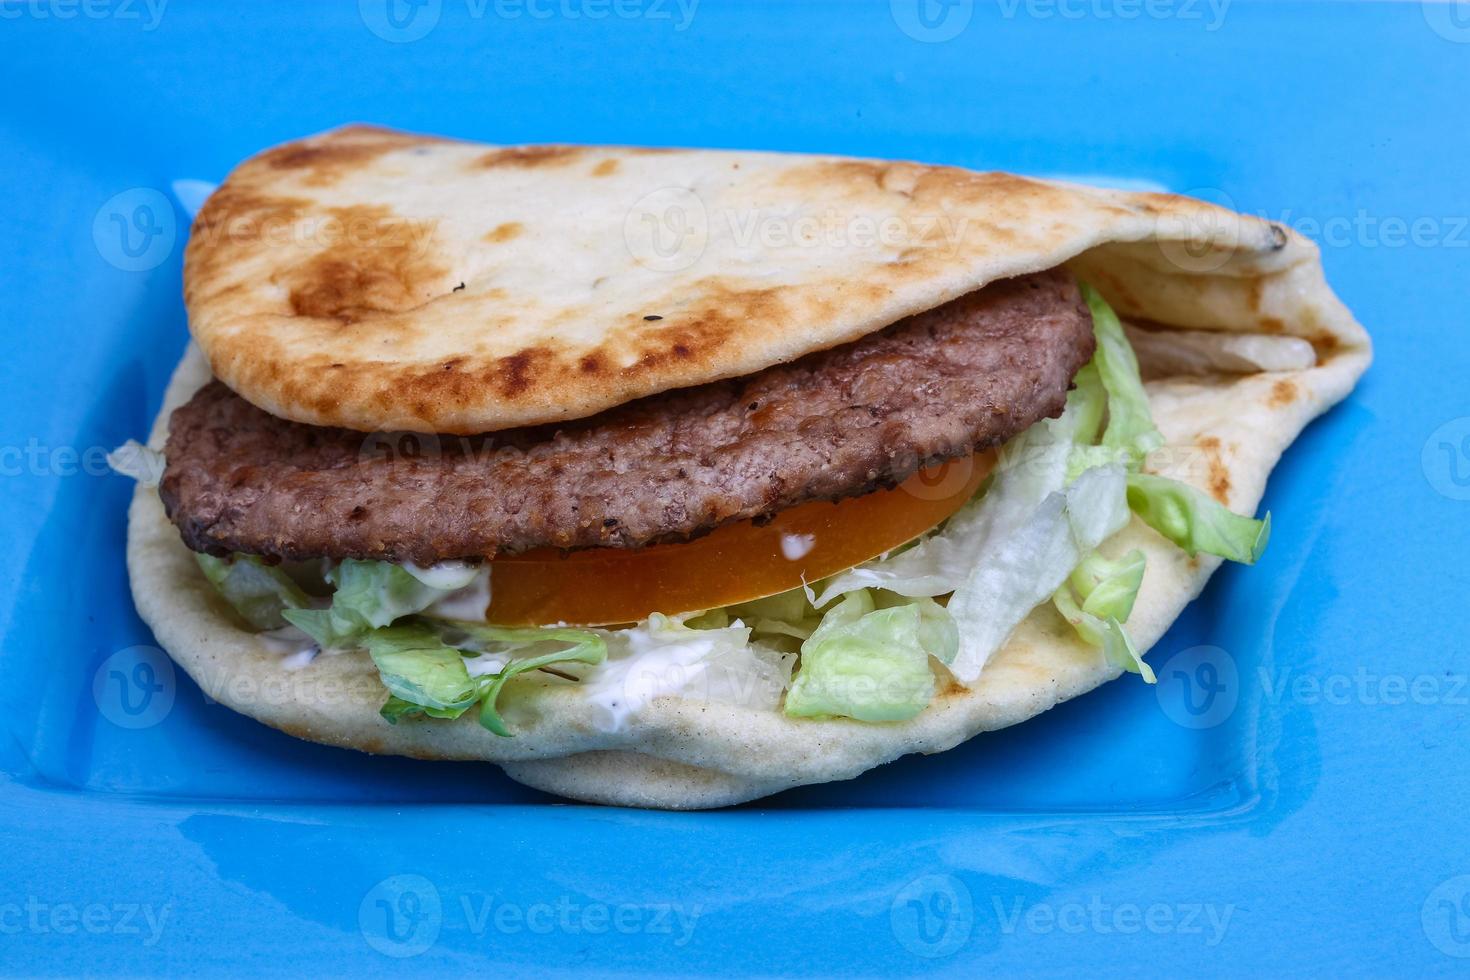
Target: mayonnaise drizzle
<point>466,602</point>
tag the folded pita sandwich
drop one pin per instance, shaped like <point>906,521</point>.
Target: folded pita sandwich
<point>675,478</point>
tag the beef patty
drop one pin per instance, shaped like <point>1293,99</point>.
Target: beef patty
<point>962,377</point>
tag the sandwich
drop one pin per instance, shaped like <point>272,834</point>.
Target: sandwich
<point>676,478</point>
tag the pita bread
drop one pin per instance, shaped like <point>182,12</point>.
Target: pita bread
<point>384,281</point>
<point>1189,265</point>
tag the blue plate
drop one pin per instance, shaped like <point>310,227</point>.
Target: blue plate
<point>1292,795</point>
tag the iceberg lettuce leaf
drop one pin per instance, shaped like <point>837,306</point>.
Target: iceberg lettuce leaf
<point>1130,434</point>
<point>1109,587</point>
<point>1032,466</point>
<point>1022,568</point>
<point>1195,521</point>
<point>586,647</point>
<point>260,593</point>
<point>418,669</point>
<point>864,663</point>
<point>423,664</point>
<point>369,594</point>
<point>1107,590</point>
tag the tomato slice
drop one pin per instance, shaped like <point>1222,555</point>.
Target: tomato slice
<point>734,563</point>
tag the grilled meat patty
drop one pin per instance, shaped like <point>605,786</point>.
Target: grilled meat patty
<point>838,423</point>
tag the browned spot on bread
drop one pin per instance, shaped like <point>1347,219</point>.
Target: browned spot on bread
<point>1253,295</point>
<point>239,212</point>
<point>505,232</point>
<point>605,168</point>
<point>232,225</point>
<point>1283,393</point>
<point>381,263</point>
<point>836,176</point>
<point>1271,324</point>
<point>954,689</point>
<point>513,374</point>
<point>1217,474</point>
<point>530,156</point>
<point>700,331</point>
<point>1219,480</point>
<point>1325,342</point>
<point>321,162</point>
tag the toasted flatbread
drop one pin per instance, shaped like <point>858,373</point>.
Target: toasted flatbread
<point>1166,262</point>
<point>378,280</point>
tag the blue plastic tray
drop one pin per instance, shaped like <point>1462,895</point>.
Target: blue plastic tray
<point>1291,797</point>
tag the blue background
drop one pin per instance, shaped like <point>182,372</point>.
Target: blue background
<point>1291,797</point>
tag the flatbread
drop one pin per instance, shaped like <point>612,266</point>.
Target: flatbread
<point>379,280</point>
<point>1224,434</point>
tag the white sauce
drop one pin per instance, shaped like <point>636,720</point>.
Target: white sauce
<point>625,685</point>
<point>297,650</point>
<point>466,602</point>
<point>705,665</point>
<point>796,546</point>
<point>446,576</point>
<point>486,664</point>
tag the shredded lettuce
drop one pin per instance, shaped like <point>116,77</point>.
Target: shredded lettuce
<point>939,634</point>
<point>1022,566</point>
<point>136,461</point>
<point>864,663</point>
<point>260,593</point>
<point>1097,599</point>
<point>584,647</point>
<point>421,673</point>
<point>1033,466</point>
<point>1130,434</point>
<point>1063,487</point>
<point>789,614</point>
<point>1195,521</point>
<point>1088,400</point>
<point>425,674</point>
<point>1109,587</point>
<point>369,594</point>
